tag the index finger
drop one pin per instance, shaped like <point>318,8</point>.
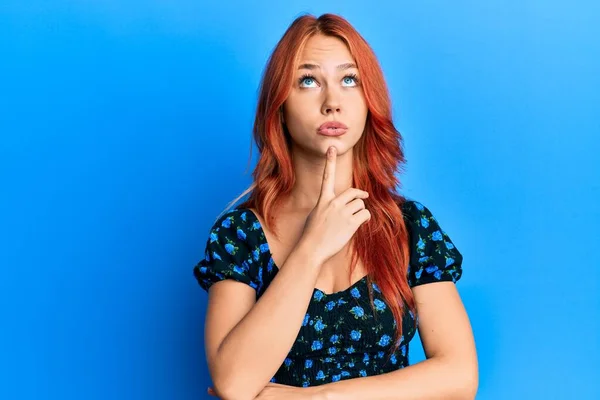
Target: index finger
<point>328,183</point>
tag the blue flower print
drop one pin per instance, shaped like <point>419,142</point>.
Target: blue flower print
<point>358,312</point>
<point>379,305</point>
<point>238,270</point>
<point>246,265</point>
<point>384,340</point>
<point>227,222</point>
<point>260,275</point>
<point>375,287</point>
<point>318,295</point>
<point>342,335</point>
<point>419,273</point>
<point>264,247</point>
<point>319,325</point>
<point>317,345</point>
<point>230,248</point>
<point>432,268</point>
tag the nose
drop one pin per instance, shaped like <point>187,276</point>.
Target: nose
<point>331,103</point>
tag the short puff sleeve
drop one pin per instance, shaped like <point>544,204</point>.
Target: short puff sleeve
<point>228,253</point>
<point>433,258</point>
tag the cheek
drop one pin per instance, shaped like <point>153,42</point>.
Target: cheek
<point>359,108</point>
<point>361,103</point>
<point>298,112</point>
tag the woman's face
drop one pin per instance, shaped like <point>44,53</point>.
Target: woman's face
<point>326,88</point>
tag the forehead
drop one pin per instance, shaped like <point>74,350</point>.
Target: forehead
<point>325,49</point>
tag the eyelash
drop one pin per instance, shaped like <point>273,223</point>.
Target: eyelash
<point>306,76</point>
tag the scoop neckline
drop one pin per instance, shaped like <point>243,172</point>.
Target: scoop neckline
<point>263,238</point>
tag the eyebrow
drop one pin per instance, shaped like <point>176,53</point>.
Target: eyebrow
<point>316,66</point>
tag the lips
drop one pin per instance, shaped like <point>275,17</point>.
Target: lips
<point>332,128</point>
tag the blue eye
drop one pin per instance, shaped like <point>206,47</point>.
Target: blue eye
<point>353,77</point>
<point>306,78</point>
<point>309,77</point>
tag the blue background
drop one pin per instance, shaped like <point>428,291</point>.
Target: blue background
<point>126,127</point>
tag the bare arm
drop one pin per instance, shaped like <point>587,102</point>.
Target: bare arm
<point>246,345</point>
<point>248,340</point>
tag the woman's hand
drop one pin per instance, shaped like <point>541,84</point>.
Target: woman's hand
<point>276,391</point>
<point>334,220</point>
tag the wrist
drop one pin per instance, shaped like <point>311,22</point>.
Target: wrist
<point>308,253</point>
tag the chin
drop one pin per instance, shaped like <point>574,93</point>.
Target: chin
<point>341,147</point>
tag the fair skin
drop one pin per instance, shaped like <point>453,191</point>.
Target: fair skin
<point>324,205</point>
<point>330,94</point>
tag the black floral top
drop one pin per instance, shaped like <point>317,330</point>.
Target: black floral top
<point>340,337</point>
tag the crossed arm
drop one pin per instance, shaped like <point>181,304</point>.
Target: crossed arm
<point>450,370</point>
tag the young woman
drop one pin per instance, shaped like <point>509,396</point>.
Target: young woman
<point>317,281</point>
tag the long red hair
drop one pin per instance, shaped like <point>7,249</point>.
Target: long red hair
<point>377,157</point>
